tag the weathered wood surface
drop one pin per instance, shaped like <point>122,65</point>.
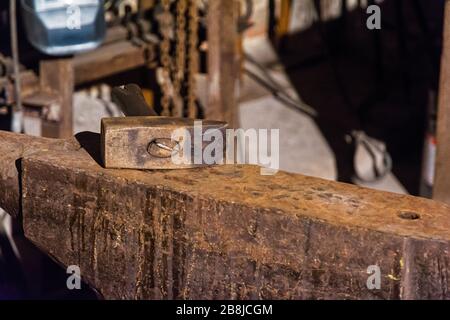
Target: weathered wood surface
<point>57,78</point>
<point>441,190</point>
<point>110,59</point>
<point>226,232</point>
<point>223,62</point>
<point>13,147</point>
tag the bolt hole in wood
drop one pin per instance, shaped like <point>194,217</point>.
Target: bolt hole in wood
<point>409,215</point>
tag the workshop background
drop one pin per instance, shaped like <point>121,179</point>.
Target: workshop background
<point>352,104</point>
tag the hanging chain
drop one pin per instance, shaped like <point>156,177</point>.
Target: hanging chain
<point>166,25</point>
<point>171,92</point>
<point>193,59</point>
<point>180,64</point>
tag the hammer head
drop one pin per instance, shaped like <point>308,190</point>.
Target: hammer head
<point>156,142</point>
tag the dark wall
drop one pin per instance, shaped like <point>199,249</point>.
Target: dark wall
<point>377,81</point>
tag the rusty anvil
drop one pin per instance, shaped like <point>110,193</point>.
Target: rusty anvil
<point>222,232</point>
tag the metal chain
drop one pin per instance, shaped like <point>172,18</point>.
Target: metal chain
<point>193,58</point>
<point>166,25</point>
<point>178,70</point>
<point>180,65</point>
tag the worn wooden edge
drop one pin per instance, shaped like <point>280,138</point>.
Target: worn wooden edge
<point>223,61</point>
<point>294,194</point>
<point>108,60</point>
<point>13,147</point>
<point>226,232</point>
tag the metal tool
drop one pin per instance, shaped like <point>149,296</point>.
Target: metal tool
<point>143,140</point>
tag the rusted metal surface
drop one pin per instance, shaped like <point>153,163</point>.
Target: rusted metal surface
<point>149,142</point>
<point>224,232</point>
<point>441,190</point>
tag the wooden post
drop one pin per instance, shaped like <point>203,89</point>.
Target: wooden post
<point>285,19</point>
<point>223,62</point>
<point>441,190</point>
<point>57,77</point>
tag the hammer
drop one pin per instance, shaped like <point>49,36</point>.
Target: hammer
<point>143,140</point>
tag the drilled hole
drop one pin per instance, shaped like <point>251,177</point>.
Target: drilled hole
<point>408,215</point>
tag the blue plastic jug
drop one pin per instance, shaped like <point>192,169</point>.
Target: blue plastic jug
<point>64,27</point>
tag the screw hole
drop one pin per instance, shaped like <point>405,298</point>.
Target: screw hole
<point>408,215</point>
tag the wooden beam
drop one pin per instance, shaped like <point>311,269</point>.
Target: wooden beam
<point>441,190</point>
<point>57,78</point>
<point>221,232</point>
<point>108,60</point>
<point>29,83</point>
<point>12,148</point>
<point>111,59</point>
<point>223,62</point>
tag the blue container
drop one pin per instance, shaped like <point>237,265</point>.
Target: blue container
<point>64,27</point>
